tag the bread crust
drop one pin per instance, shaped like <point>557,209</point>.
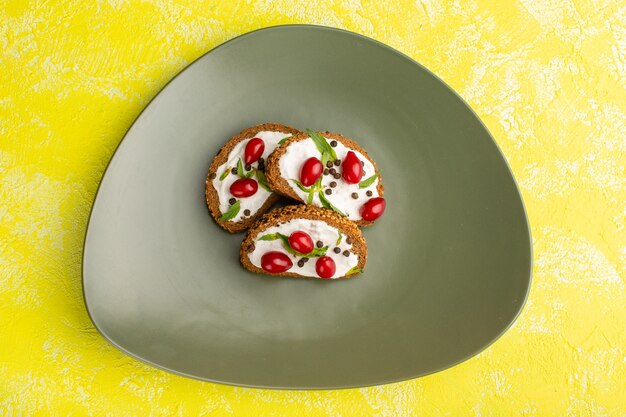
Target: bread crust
<point>301,211</point>
<point>281,186</point>
<point>211,195</point>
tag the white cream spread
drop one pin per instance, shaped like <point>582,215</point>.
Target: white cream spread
<point>319,231</point>
<point>255,201</point>
<point>291,164</point>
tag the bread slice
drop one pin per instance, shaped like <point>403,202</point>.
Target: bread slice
<point>221,176</point>
<point>333,236</point>
<point>283,174</point>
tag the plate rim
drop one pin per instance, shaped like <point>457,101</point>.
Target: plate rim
<point>383,381</point>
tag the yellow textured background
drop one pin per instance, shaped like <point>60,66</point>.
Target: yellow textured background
<point>548,78</point>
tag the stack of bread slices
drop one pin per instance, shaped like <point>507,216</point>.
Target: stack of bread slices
<point>331,186</point>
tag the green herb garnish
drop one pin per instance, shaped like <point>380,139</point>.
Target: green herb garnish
<point>301,186</point>
<point>283,140</point>
<point>231,212</point>
<point>313,254</point>
<point>317,252</point>
<point>327,151</point>
<point>225,174</point>
<point>240,169</point>
<point>368,181</point>
<point>328,204</point>
<point>260,176</point>
<point>339,238</point>
<point>310,190</point>
<point>270,236</point>
<point>241,172</point>
<point>354,270</point>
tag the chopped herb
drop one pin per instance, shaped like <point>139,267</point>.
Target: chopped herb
<point>224,174</point>
<point>328,153</point>
<point>368,181</point>
<point>317,186</point>
<point>240,169</point>
<point>283,140</point>
<point>260,176</point>
<point>339,238</point>
<point>354,270</point>
<point>301,186</point>
<point>317,252</point>
<point>270,236</point>
<point>328,204</point>
<point>231,212</point>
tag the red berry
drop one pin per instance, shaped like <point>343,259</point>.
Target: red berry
<point>351,167</point>
<point>275,262</point>
<point>311,171</point>
<point>244,187</point>
<point>373,209</point>
<point>301,242</point>
<point>325,267</point>
<point>254,150</point>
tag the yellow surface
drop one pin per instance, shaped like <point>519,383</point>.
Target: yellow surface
<point>547,77</point>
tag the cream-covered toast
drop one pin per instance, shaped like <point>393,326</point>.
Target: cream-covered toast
<point>328,170</point>
<point>304,241</point>
<point>237,192</point>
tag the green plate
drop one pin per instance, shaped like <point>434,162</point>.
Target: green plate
<point>449,263</point>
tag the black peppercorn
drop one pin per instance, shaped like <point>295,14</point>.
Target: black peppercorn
<point>346,253</point>
<point>337,250</point>
<point>337,162</point>
<point>248,167</point>
<point>333,184</point>
<point>319,243</point>
<point>328,191</point>
<point>246,212</point>
<point>232,201</point>
<point>333,143</point>
<point>355,195</point>
<point>337,176</point>
<point>329,164</point>
<point>368,193</point>
<point>234,171</point>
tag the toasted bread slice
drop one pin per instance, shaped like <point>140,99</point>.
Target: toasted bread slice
<point>284,165</point>
<point>237,214</point>
<point>332,236</point>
